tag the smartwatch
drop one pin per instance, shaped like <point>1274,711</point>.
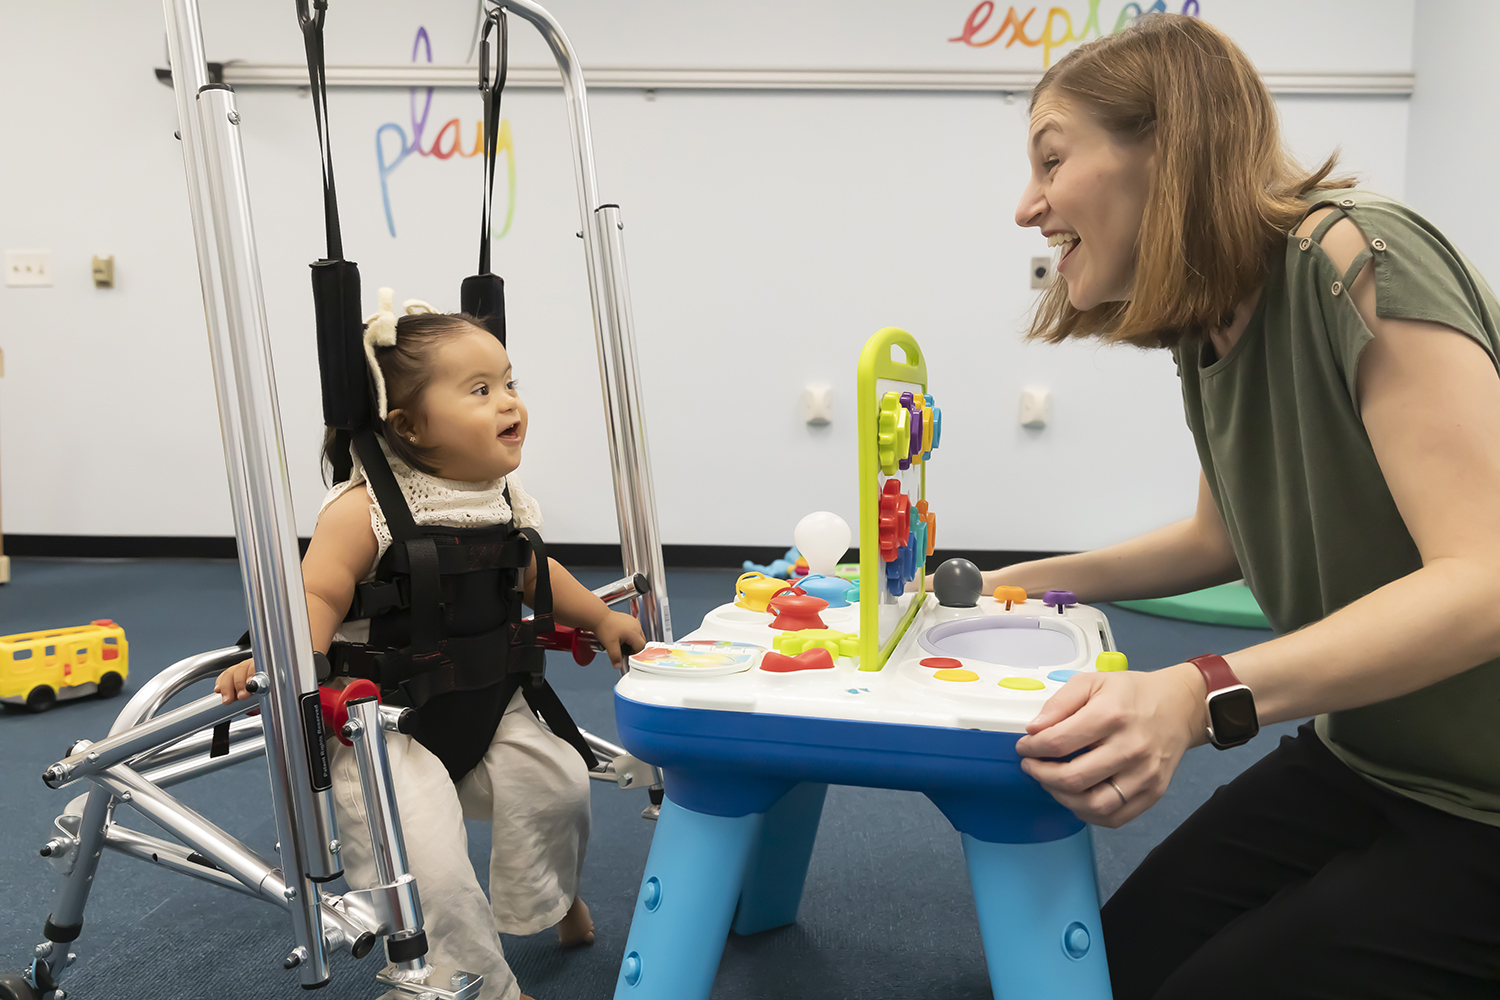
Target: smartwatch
<point>1231,706</point>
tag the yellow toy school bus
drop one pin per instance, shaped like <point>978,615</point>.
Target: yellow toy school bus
<point>38,669</point>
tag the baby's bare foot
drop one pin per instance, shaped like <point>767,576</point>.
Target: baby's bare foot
<point>576,927</point>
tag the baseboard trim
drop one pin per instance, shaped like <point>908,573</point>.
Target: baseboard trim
<point>567,553</point>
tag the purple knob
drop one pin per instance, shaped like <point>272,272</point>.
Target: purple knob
<point>916,430</point>
<point>1059,599</point>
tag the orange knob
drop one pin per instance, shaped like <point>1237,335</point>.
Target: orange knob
<point>1010,595</point>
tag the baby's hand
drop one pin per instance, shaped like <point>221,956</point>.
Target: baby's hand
<point>615,630</point>
<point>231,683</point>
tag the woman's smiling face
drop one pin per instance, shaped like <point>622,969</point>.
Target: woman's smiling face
<point>1087,194</point>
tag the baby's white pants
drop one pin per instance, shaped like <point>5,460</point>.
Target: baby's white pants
<point>533,789</point>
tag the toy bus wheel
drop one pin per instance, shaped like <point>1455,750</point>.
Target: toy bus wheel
<point>110,684</point>
<point>14,987</point>
<point>41,698</point>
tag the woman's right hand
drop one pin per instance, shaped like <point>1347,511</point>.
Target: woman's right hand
<point>231,683</point>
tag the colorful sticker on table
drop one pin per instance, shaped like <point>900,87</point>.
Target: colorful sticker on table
<point>712,654</point>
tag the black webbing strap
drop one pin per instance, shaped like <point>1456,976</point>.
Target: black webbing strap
<point>218,744</point>
<point>387,494</point>
<point>483,295</point>
<point>545,702</point>
<point>491,93</point>
<point>317,76</point>
<point>421,551</point>
<point>335,281</point>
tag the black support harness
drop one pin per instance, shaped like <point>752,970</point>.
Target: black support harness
<point>447,636</point>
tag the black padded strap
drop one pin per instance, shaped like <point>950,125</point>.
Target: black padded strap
<point>317,76</point>
<point>426,594</point>
<point>541,594</point>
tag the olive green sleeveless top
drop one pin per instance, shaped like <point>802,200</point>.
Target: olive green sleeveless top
<point>1296,481</point>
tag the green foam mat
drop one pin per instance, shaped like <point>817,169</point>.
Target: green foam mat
<point>1228,604</point>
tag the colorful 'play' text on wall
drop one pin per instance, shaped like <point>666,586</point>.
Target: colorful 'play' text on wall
<point>393,145</point>
<point>1055,29</point>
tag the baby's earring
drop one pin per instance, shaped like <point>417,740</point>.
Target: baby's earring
<point>412,438</point>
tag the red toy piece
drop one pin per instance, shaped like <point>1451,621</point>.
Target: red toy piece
<point>895,519</point>
<point>796,610</point>
<point>333,702</point>
<point>813,659</point>
<point>942,663</point>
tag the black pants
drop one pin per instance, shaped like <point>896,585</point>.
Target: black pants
<point>1300,879</point>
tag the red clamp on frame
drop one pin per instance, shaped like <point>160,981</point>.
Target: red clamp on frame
<point>566,639</point>
<point>334,701</point>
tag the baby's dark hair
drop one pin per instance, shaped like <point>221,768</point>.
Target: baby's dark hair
<point>407,368</point>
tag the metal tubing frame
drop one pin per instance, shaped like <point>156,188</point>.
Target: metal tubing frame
<point>178,771</point>
<point>625,423</point>
<point>387,845</point>
<point>99,757</point>
<point>143,752</point>
<point>265,526</point>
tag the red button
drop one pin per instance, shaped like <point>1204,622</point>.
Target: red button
<point>812,659</point>
<point>942,663</point>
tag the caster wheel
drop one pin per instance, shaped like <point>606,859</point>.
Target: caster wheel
<point>41,699</point>
<point>110,684</point>
<point>14,987</point>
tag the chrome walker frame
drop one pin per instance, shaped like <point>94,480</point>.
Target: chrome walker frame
<point>149,749</point>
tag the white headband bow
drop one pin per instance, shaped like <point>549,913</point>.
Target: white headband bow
<point>380,331</point>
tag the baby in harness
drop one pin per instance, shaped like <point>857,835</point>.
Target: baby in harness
<point>415,576</point>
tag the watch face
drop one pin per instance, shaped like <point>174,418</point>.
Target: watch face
<point>1233,716</point>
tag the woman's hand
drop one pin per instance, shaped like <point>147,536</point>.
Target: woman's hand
<point>615,630</point>
<point>231,683</point>
<point>1133,728</point>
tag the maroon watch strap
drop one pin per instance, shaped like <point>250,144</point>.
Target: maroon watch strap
<point>1215,671</point>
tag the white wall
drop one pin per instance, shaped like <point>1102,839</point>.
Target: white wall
<point>1455,132</point>
<point>769,234</point>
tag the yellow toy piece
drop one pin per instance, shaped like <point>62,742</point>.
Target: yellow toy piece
<point>836,642</point>
<point>754,589</point>
<point>894,437</point>
<point>39,669</point>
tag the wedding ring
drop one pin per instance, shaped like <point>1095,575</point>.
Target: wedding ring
<point>1111,783</point>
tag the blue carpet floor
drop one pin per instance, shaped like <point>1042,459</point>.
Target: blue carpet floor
<point>887,911</point>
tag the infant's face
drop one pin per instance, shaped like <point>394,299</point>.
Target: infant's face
<point>470,413</point>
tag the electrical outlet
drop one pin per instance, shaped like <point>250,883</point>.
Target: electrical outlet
<point>28,267</point>
<point>1041,272</point>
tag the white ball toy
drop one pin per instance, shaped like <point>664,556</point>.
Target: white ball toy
<point>822,538</point>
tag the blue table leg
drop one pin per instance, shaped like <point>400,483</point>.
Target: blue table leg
<point>1039,917</point>
<point>693,878</point>
<point>778,865</point>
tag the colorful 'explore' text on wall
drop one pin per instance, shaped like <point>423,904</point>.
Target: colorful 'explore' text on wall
<point>446,143</point>
<point>1056,28</point>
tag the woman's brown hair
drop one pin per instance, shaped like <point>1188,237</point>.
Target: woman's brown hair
<point>407,368</point>
<point>1224,192</point>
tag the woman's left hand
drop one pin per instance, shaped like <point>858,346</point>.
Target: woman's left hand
<point>1133,729</point>
<point>615,630</point>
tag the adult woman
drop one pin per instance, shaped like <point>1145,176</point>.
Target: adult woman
<point>1342,389</point>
